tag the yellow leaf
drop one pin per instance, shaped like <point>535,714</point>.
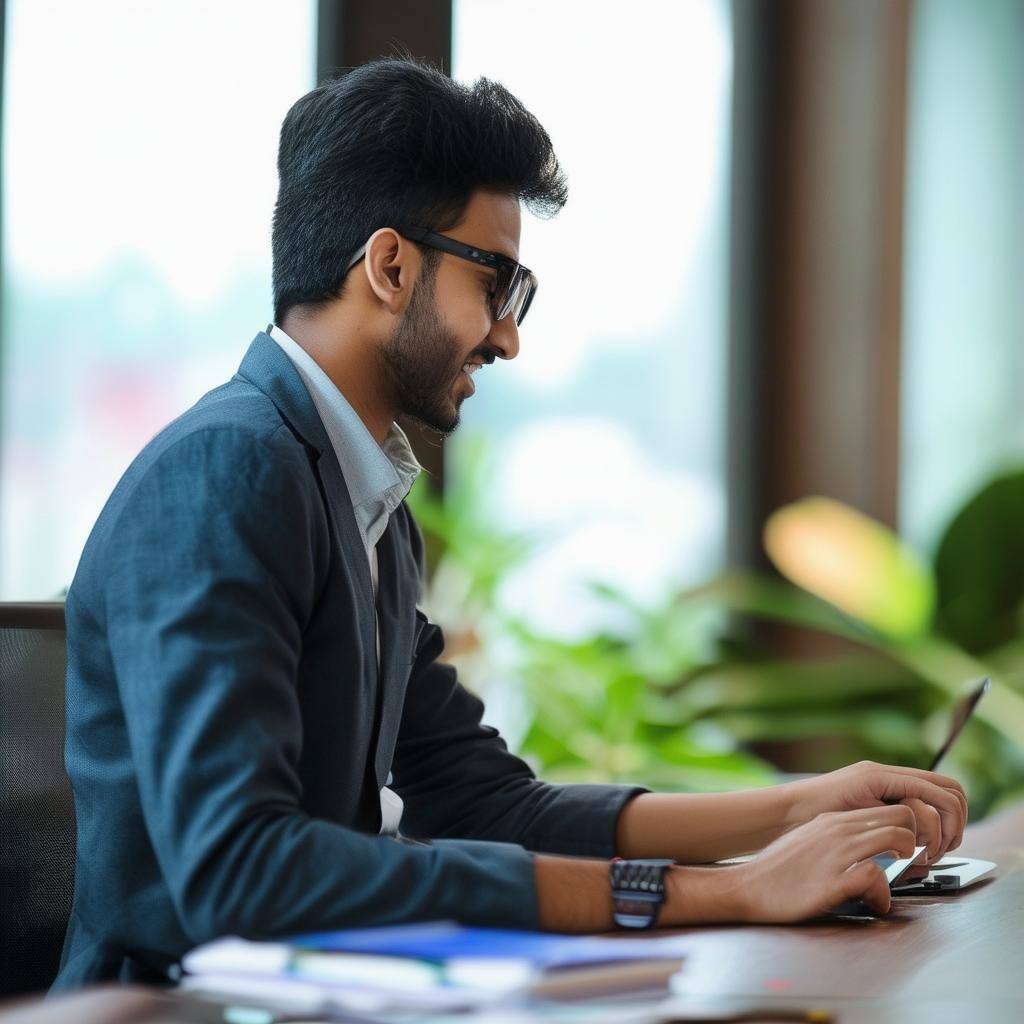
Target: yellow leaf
<point>853,562</point>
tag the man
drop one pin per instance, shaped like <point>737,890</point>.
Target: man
<point>257,717</point>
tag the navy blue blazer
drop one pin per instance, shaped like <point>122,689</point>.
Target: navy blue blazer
<point>229,732</point>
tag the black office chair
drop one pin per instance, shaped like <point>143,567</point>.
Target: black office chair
<point>37,818</point>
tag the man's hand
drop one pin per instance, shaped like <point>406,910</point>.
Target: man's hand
<point>824,862</point>
<point>937,803</point>
<point>804,873</point>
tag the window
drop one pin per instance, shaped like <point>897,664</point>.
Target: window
<point>139,180</point>
<point>607,433</point>
<point>964,257</point>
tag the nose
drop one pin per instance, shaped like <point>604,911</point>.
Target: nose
<point>504,337</point>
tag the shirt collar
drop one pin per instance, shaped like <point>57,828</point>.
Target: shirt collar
<point>378,477</point>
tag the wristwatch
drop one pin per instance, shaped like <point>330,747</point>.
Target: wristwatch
<point>638,891</point>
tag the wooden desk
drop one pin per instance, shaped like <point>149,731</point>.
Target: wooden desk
<point>954,958</point>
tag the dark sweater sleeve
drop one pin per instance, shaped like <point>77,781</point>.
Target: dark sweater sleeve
<point>212,578</point>
<point>458,778</point>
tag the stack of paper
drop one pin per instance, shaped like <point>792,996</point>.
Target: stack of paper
<point>439,966</point>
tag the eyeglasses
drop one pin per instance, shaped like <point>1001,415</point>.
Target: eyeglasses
<point>514,285</point>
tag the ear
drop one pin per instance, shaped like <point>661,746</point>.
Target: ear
<point>391,265</point>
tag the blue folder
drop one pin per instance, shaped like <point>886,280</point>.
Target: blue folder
<point>444,940</point>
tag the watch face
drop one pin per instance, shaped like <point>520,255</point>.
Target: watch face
<point>635,911</point>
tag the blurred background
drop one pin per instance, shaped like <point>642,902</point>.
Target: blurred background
<point>751,498</point>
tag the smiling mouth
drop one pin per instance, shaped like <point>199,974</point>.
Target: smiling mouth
<point>468,369</point>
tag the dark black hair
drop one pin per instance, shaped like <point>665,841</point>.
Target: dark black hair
<point>395,141</point>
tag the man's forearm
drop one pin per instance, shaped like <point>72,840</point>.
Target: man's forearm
<point>813,868</point>
<point>574,895</point>
<point>698,828</point>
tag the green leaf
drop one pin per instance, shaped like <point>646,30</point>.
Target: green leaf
<point>762,597</point>
<point>979,566</point>
<point>860,678</point>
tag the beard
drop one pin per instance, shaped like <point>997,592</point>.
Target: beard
<point>419,362</point>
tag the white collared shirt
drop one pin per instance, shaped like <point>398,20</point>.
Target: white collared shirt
<point>378,480</point>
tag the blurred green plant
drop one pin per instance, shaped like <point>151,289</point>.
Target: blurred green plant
<point>467,558</point>
<point>608,707</point>
<point>678,698</point>
<point>600,709</point>
<point>927,629</point>
<point>459,527</point>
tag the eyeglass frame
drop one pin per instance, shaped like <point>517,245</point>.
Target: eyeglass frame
<point>494,260</point>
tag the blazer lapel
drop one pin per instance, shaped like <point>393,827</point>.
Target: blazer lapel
<point>268,368</point>
<point>356,562</point>
<point>397,592</point>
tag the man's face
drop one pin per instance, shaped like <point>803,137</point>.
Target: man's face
<point>447,330</point>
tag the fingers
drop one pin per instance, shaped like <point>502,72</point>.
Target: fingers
<point>956,790</point>
<point>951,807</point>
<point>946,782</point>
<point>867,881</point>
<point>920,820</point>
<point>902,785</point>
<point>872,817</point>
<point>864,845</point>
<point>928,826</point>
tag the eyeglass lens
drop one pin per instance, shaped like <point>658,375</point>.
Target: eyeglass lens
<point>514,296</point>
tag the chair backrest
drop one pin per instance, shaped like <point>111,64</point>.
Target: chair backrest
<point>37,818</point>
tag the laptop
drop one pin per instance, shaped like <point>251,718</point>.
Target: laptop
<point>951,873</point>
